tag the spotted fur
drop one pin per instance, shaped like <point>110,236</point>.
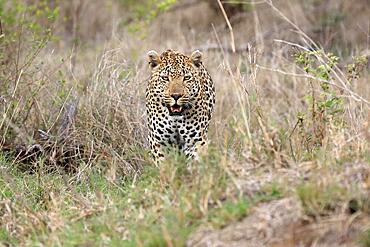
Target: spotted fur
<point>180,97</point>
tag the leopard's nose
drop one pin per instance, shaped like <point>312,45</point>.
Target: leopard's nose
<point>176,96</point>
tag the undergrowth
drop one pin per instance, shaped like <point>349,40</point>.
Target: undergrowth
<point>161,206</point>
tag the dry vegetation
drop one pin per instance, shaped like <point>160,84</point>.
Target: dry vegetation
<point>288,163</point>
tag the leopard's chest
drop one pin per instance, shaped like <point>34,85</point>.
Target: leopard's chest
<point>179,131</point>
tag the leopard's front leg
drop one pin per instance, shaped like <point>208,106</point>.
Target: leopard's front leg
<point>156,150</point>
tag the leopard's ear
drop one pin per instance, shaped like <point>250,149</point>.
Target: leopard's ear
<point>153,59</point>
<point>196,58</point>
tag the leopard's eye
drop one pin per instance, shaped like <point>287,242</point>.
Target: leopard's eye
<point>187,77</point>
<point>164,77</point>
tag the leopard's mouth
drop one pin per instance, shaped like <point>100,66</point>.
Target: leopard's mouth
<point>176,110</point>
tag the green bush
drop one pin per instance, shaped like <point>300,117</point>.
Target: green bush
<point>26,28</point>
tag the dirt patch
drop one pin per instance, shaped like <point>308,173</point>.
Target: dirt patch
<point>282,223</point>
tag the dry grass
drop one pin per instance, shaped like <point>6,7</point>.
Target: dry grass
<point>290,130</point>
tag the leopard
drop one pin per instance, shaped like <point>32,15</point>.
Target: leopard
<point>180,98</point>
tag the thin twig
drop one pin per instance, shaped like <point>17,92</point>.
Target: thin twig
<point>17,82</point>
<point>229,26</point>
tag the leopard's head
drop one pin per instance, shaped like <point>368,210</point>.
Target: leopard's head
<point>176,79</point>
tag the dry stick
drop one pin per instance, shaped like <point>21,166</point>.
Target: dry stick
<point>5,118</point>
<point>290,138</point>
<point>292,44</point>
<point>8,121</point>
<point>1,30</point>
<point>87,165</point>
<point>61,109</point>
<point>258,34</point>
<point>17,83</point>
<point>229,25</point>
<point>217,47</point>
<point>245,2</point>
<point>166,236</point>
<point>40,112</point>
<point>219,44</point>
<point>70,111</point>
<point>72,62</point>
<point>298,75</point>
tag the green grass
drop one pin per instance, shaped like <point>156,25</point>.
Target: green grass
<point>319,200</point>
<point>160,206</point>
<point>229,212</point>
<point>365,239</point>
